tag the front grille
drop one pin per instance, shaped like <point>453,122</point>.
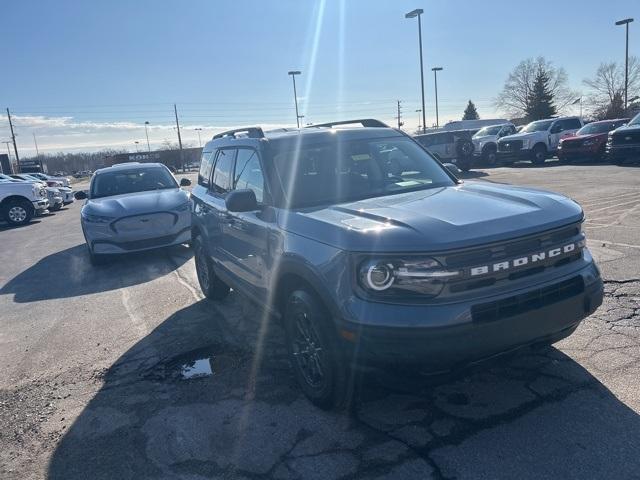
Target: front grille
<point>510,146</point>
<point>630,138</point>
<point>568,145</point>
<point>146,243</point>
<point>527,302</point>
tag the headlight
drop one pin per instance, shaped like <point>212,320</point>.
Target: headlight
<point>589,142</point>
<point>387,277</point>
<point>97,218</point>
<point>43,192</point>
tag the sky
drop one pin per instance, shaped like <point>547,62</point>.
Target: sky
<point>85,75</point>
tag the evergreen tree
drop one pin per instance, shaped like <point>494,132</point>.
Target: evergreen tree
<point>540,99</point>
<point>470,113</point>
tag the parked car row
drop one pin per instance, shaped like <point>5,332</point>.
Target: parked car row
<point>568,138</point>
<point>23,196</point>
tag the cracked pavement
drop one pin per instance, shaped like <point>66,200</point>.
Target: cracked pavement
<point>94,360</point>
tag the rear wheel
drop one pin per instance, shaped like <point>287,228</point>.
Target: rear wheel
<point>539,155</point>
<point>312,343</point>
<point>17,212</point>
<point>210,284</point>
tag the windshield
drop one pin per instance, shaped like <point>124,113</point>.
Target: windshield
<point>594,128</point>
<point>337,171</point>
<point>492,130</point>
<point>538,126</point>
<point>118,182</point>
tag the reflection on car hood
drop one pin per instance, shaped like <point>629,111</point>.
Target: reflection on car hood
<point>434,220</point>
<point>520,136</point>
<point>137,203</point>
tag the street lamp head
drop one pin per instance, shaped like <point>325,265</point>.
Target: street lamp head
<point>414,13</point>
<point>294,72</point>
<point>436,69</point>
<point>625,21</point>
<point>146,123</point>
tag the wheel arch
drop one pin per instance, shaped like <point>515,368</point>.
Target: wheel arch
<point>12,198</point>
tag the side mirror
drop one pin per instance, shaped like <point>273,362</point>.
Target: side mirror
<point>452,168</point>
<point>241,201</point>
<point>80,195</point>
<point>185,182</point>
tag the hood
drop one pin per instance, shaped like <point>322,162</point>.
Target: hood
<point>584,137</point>
<point>435,220</point>
<point>520,136</point>
<point>483,138</point>
<point>137,203</point>
<point>627,129</point>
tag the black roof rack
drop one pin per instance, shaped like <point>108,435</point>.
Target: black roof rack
<point>365,122</point>
<point>251,132</point>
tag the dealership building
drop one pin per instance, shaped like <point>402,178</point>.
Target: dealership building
<point>171,158</point>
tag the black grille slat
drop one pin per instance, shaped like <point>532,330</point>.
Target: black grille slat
<point>526,302</point>
<point>630,138</point>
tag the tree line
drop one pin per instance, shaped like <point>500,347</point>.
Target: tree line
<point>537,89</point>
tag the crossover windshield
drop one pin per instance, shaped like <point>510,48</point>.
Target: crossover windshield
<point>537,126</point>
<point>130,181</point>
<point>493,130</point>
<point>338,171</point>
<point>595,128</point>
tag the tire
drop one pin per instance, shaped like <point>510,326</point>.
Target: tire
<point>312,345</point>
<point>464,149</point>
<point>56,207</point>
<point>538,155</point>
<point>212,287</point>
<point>17,212</point>
<point>490,155</point>
<point>97,259</point>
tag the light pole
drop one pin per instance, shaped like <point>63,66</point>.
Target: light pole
<point>199,141</point>
<point>435,79</point>
<point>412,14</point>
<point>293,74</point>
<point>146,132</point>
<point>626,23</point>
<point>418,112</point>
<point>137,143</point>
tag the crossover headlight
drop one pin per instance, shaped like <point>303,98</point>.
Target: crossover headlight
<point>97,218</point>
<point>422,276</point>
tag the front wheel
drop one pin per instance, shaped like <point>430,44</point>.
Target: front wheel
<point>539,155</point>
<point>17,212</point>
<point>312,345</point>
<point>210,284</point>
<point>490,155</point>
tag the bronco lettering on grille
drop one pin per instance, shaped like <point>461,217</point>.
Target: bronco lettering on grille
<point>527,260</point>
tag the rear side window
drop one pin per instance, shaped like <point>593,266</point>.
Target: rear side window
<point>206,165</point>
<point>223,171</point>
<point>571,124</point>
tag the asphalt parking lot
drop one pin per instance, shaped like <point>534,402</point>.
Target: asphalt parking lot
<point>125,371</point>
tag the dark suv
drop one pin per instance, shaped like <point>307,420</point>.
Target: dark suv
<point>623,143</point>
<point>373,254</point>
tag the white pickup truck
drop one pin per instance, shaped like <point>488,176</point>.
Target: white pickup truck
<point>20,201</point>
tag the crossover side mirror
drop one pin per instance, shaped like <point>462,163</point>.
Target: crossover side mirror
<point>80,195</point>
<point>241,201</point>
<point>185,182</point>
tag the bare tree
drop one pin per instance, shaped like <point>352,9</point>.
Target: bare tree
<point>608,85</point>
<point>515,97</point>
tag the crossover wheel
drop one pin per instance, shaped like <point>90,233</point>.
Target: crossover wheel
<point>539,155</point>
<point>210,284</point>
<point>17,212</point>
<point>313,350</point>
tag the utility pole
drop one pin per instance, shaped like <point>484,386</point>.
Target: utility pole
<point>293,74</point>
<point>418,112</point>
<point>626,23</point>
<point>36,144</point>
<point>399,117</point>
<point>13,137</point>
<point>146,131</point>
<point>175,110</point>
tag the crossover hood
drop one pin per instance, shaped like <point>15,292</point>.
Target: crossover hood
<point>435,220</point>
<point>137,203</point>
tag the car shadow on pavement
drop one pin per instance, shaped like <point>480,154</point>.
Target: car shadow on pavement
<point>68,273</point>
<point>208,394</point>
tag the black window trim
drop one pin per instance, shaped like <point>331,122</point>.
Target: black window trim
<point>212,187</point>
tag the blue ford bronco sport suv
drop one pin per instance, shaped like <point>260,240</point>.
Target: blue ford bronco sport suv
<point>373,254</point>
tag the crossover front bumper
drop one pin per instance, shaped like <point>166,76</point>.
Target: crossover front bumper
<point>442,337</point>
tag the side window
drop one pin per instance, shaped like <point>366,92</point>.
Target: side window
<point>249,173</point>
<point>223,171</point>
<point>206,164</point>
<point>572,124</point>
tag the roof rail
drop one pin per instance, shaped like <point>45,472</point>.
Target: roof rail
<point>252,132</point>
<point>365,122</point>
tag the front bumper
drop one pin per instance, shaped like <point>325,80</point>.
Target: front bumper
<point>623,152</point>
<point>514,156</point>
<point>41,205</point>
<point>444,337</point>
